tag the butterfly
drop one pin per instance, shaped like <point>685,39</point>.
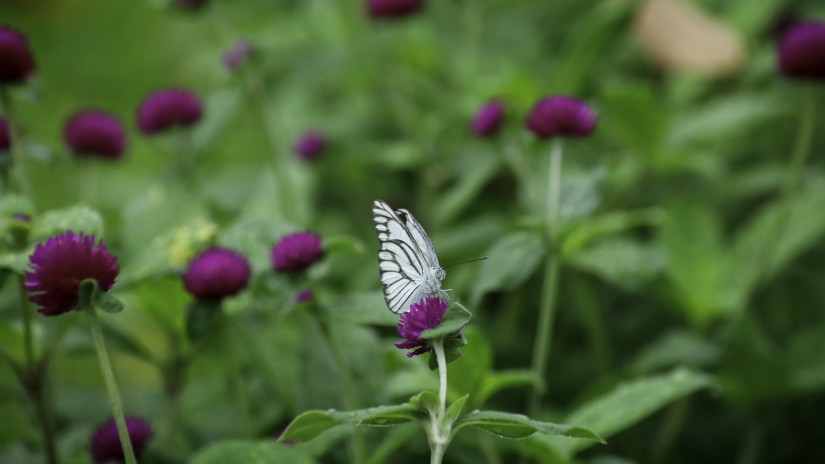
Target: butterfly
<point>407,261</point>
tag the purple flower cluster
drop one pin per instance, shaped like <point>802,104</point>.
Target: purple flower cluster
<point>424,315</point>
<point>216,274</point>
<point>393,9</point>
<point>561,116</point>
<point>16,60</point>
<point>105,445</point>
<point>167,108</point>
<point>5,136</point>
<point>487,121</point>
<point>801,52</point>
<point>310,145</point>
<point>296,252</point>
<point>60,264</point>
<point>95,133</point>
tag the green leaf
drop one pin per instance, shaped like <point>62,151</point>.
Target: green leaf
<point>202,318</point>
<point>511,260</point>
<point>425,401</point>
<point>469,185</point>
<point>343,244</point>
<point>454,320</point>
<point>676,348</point>
<point>263,452</point>
<point>501,380</point>
<point>109,303</point>
<point>312,423</point>
<point>628,404</point>
<point>454,410</point>
<point>517,426</point>
<point>724,117</point>
<point>362,308</point>
<point>78,218</point>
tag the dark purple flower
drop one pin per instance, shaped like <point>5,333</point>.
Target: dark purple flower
<point>105,445</point>
<point>22,217</point>
<point>424,315</point>
<point>561,116</point>
<point>310,145</point>
<point>239,54</point>
<point>16,60</point>
<point>167,108</point>
<point>95,133</point>
<point>391,9</point>
<point>60,264</point>
<point>488,119</point>
<point>296,251</point>
<point>304,295</point>
<point>802,51</point>
<point>189,4</point>
<point>5,137</point>
<point>217,273</point>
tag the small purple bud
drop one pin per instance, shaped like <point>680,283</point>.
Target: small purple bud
<point>95,133</point>
<point>561,116</point>
<point>304,295</point>
<point>16,60</point>
<point>22,217</point>
<point>238,55</point>
<point>296,252</point>
<point>105,446</point>
<point>167,108</point>
<point>310,145</point>
<point>393,9</point>
<point>801,53</point>
<point>488,119</point>
<point>216,274</point>
<point>5,137</point>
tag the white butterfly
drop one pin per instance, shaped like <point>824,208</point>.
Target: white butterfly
<point>407,261</point>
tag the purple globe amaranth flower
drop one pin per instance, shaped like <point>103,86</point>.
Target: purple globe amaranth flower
<point>304,295</point>
<point>310,145</point>
<point>5,136</point>
<point>801,53</point>
<point>16,60</point>
<point>105,445</point>
<point>488,120</point>
<point>216,274</point>
<point>95,133</point>
<point>296,252</point>
<point>558,115</point>
<point>60,264</point>
<point>424,315</point>
<point>167,108</point>
<point>238,55</point>
<point>393,9</point>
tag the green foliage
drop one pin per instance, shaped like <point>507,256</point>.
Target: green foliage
<point>249,451</point>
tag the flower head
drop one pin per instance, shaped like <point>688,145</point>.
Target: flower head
<point>105,445</point>
<point>304,295</point>
<point>168,108</point>
<point>217,273</point>
<point>297,251</point>
<point>488,119</point>
<point>310,145</point>
<point>95,133</point>
<point>424,315</point>
<point>238,55</point>
<point>60,264</point>
<point>801,51</point>
<point>5,137</point>
<point>16,60</point>
<point>392,9</point>
<point>561,116</point>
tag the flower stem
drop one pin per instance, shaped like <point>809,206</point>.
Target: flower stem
<point>439,438</point>
<point>543,339</point>
<point>111,386</point>
<point>16,143</point>
<point>27,325</point>
<point>236,376</point>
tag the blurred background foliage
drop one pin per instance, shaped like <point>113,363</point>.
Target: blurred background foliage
<point>678,336</point>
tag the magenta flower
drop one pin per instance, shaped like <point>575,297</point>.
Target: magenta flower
<point>561,116</point>
<point>105,445</point>
<point>5,137</point>
<point>95,133</point>
<point>296,252</point>
<point>424,315</point>
<point>392,9</point>
<point>304,295</point>
<point>167,108</point>
<point>60,264</point>
<point>310,145</point>
<point>16,60</point>
<point>238,55</point>
<point>216,274</point>
<point>488,119</point>
<point>801,51</point>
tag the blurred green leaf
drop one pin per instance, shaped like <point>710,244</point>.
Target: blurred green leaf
<point>676,348</point>
<point>455,200</point>
<point>453,320</point>
<point>516,426</point>
<point>78,218</point>
<point>203,317</point>
<point>511,260</point>
<point>259,452</point>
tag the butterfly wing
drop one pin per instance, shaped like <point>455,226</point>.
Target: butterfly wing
<point>422,240</point>
<point>401,262</point>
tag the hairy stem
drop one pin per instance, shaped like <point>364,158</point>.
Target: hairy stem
<point>439,438</point>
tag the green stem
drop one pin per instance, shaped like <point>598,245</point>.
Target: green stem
<point>236,379</point>
<point>543,339</point>
<point>16,143</point>
<point>27,325</point>
<point>41,402</point>
<point>439,438</point>
<point>111,386</point>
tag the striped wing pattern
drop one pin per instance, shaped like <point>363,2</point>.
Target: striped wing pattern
<point>405,257</point>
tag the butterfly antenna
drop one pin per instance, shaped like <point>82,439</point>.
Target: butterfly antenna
<point>465,262</point>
